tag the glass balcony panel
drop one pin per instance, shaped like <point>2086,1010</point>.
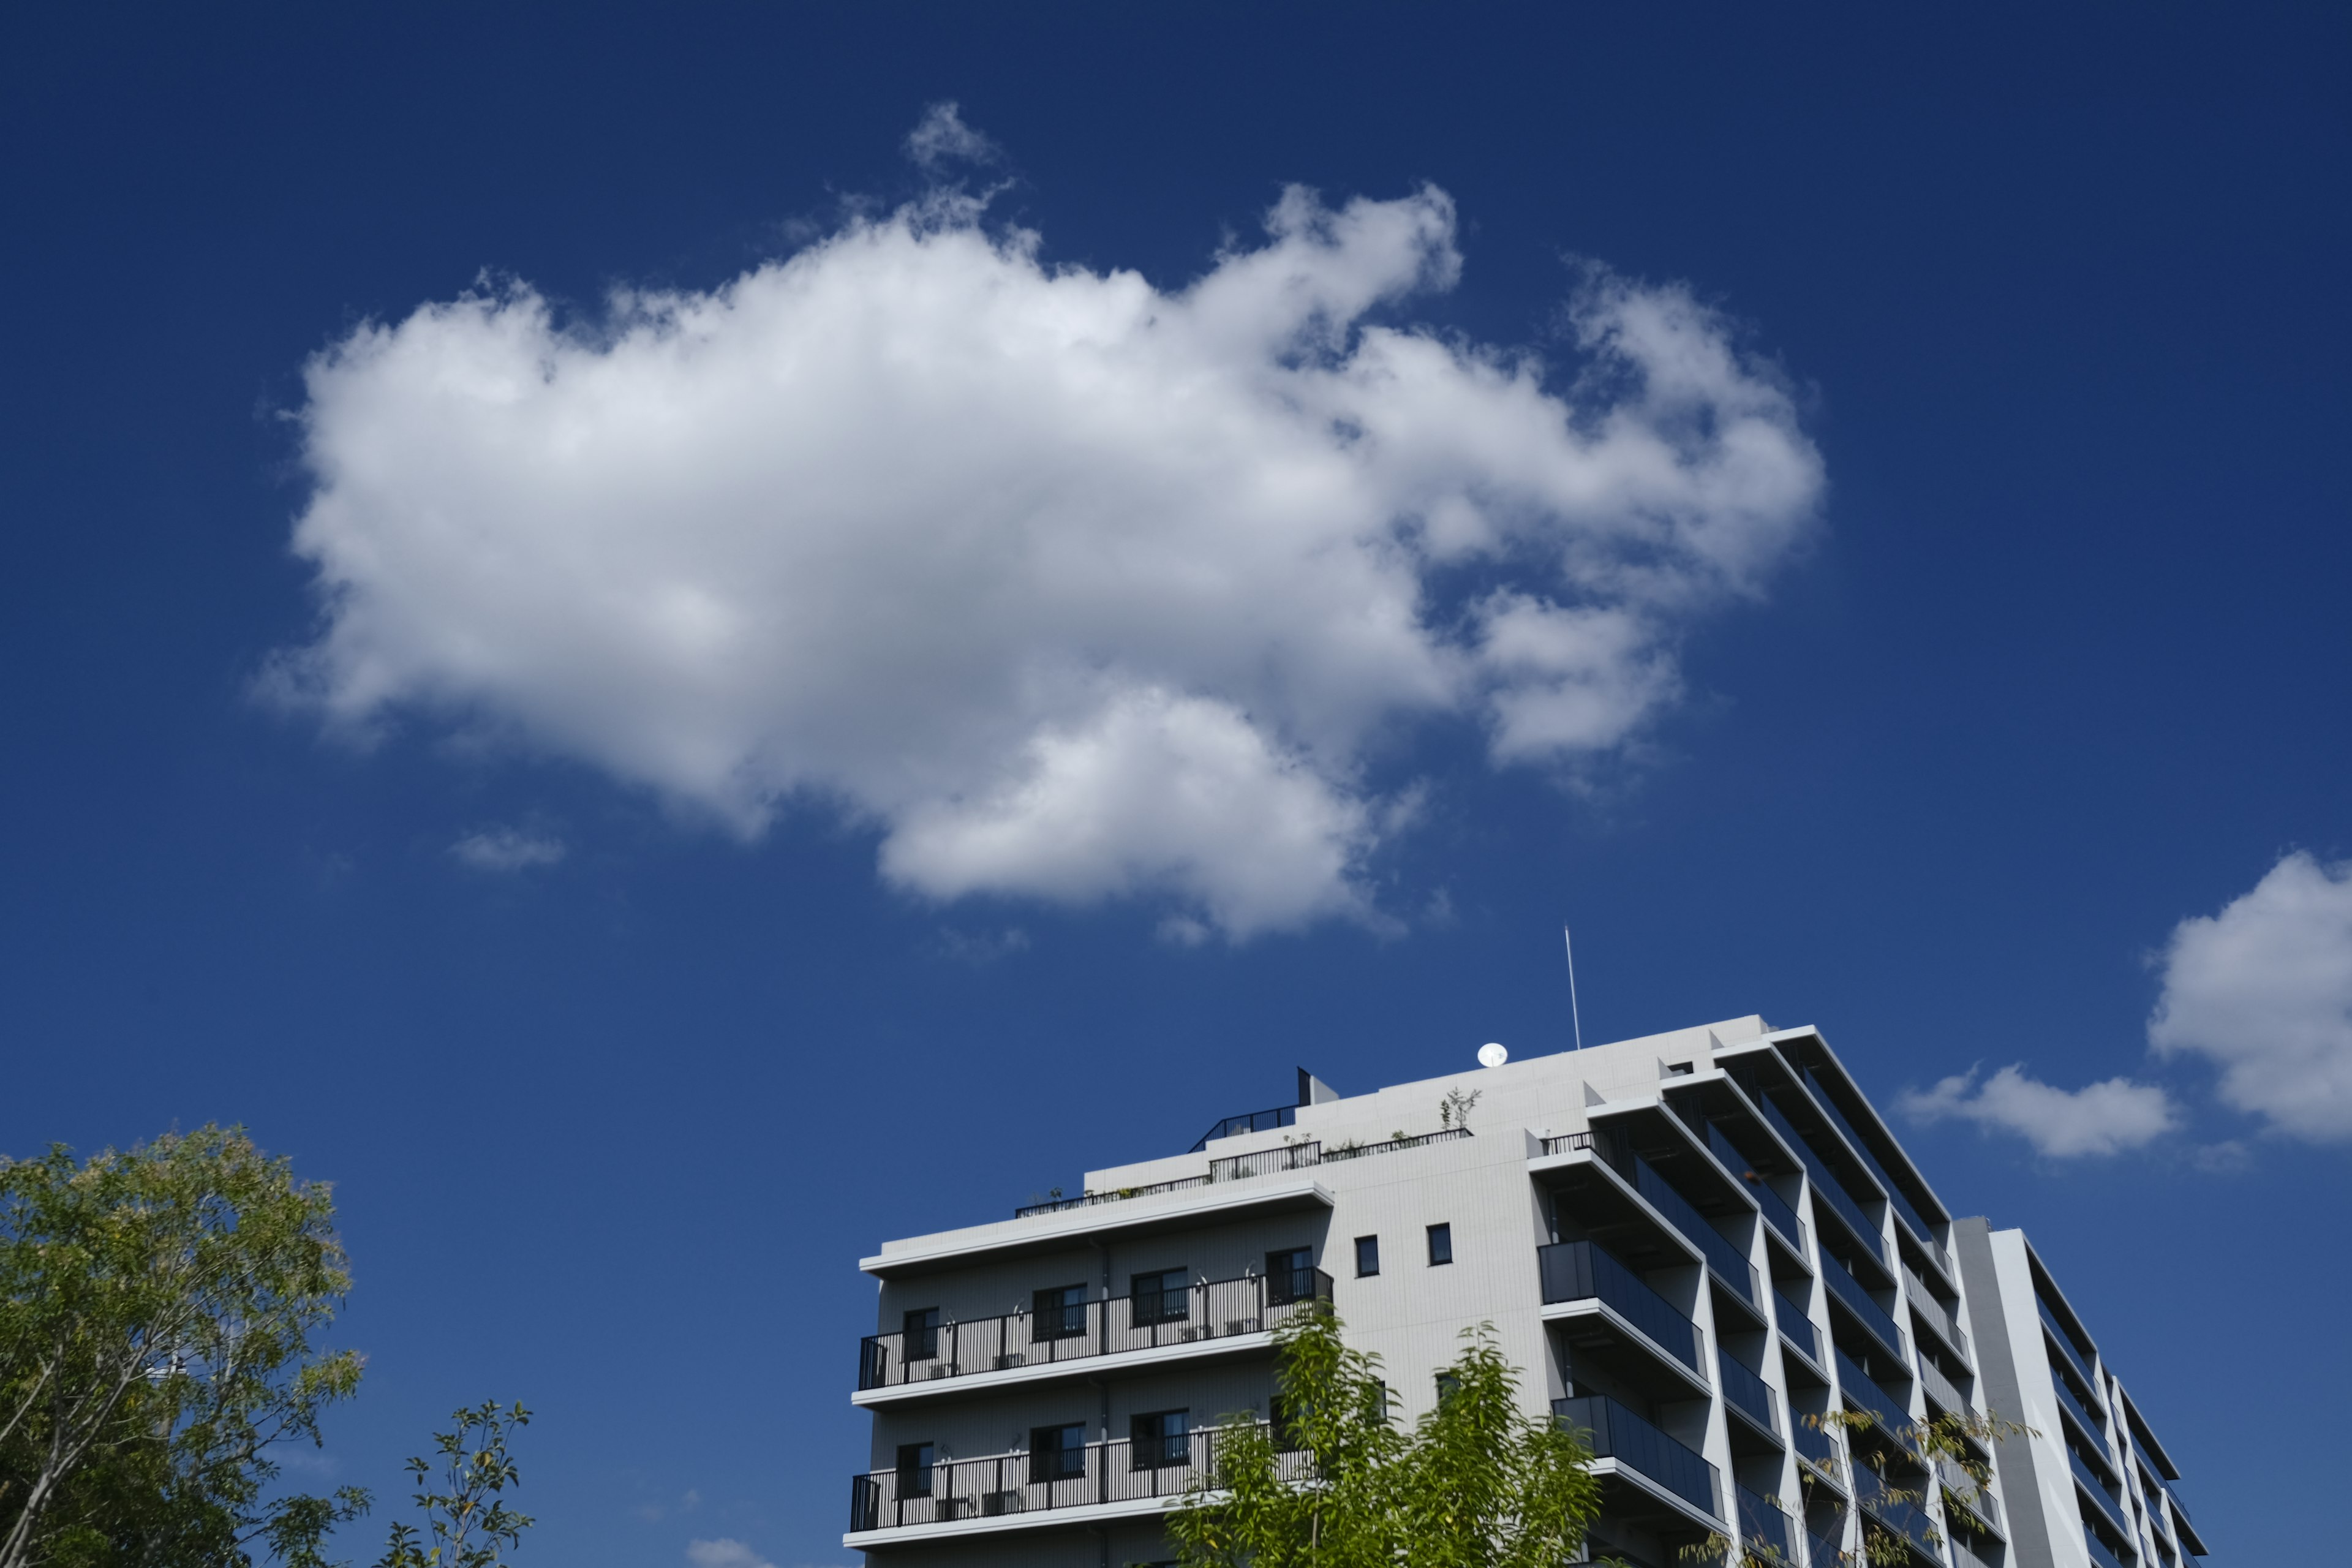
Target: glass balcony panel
<point>1923,1302</point>
<point>1743,1388</point>
<point>1579,1270</point>
<point>1815,1443</point>
<point>1898,1513</point>
<point>2065,1343</point>
<point>1761,1520</point>
<point>2099,1552</point>
<point>1825,1185</point>
<point>1616,1433</point>
<point>1911,1219</point>
<point>1874,1318</point>
<point>1942,1389</point>
<point>1797,1326</point>
<point>1862,1389</point>
<point>2090,1483</point>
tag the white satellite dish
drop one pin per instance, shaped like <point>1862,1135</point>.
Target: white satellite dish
<point>1492,1055</point>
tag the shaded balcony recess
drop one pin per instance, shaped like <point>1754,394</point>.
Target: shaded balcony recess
<point>1797,1326</point>
<point>2088,1481</point>
<point>2094,1429</point>
<point>1941,1389</point>
<point>1774,1207</point>
<point>1964,1491</point>
<point>1021,1483</point>
<point>1850,1293</point>
<point>1281,1116</point>
<point>1762,1519</point>
<point>1933,1313</point>
<point>2066,1344</point>
<point>1898,1514</point>
<point>1823,1548</point>
<point>1746,1392</point>
<point>1213,1310</point>
<point>1582,1271</point>
<point>1863,1391</point>
<point>1616,1433</point>
<point>2099,1550</point>
<point>1724,1261</point>
<point>1825,1185</point>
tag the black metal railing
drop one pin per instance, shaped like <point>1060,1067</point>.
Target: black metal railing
<point>1855,1298</point>
<point>1109,1195</point>
<point>1249,1121</point>
<point>1762,1520</point>
<point>1614,1431</point>
<point>1209,1309</point>
<point>1238,1167</point>
<point>1017,1483</point>
<point>1744,1389</point>
<point>1581,1270</point>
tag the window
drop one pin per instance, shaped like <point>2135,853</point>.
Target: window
<point>922,1334</point>
<point>1441,1245</point>
<point>914,1470</point>
<point>1448,1385</point>
<point>1289,1276</point>
<point>1161,1439</point>
<point>1367,1256</point>
<point>1057,1452</point>
<point>1163,1297</point>
<point>1061,1314</point>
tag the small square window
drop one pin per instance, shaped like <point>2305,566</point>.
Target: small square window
<point>1289,1276</point>
<point>915,1469</point>
<point>1367,1256</point>
<point>1161,1439</point>
<point>1448,1385</point>
<point>1441,1245</point>
<point>1060,1314</point>
<point>1165,1296</point>
<point>1057,1452</point>
<point>922,1334</point>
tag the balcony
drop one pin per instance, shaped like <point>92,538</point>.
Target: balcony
<point>1010,1489</point>
<point>1866,1395</point>
<point>1747,1393</point>
<point>1898,1515</point>
<point>2095,1430</point>
<point>2089,1482</point>
<point>1616,1433</point>
<point>1931,1312</point>
<point>1945,1393</point>
<point>1815,1444</point>
<point>1848,1294</point>
<point>1218,1309</point>
<point>1909,1217</point>
<point>1723,1259</point>
<point>1961,1490</point>
<point>1239,1167</point>
<point>2065,1342</point>
<point>1825,1185</point>
<point>1797,1327</point>
<point>2099,1552</point>
<point>1823,1550</point>
<point>1762,1522</point>
<point>1580,1271</point>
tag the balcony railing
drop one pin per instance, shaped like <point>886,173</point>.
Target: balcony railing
<point>2091,1482</point>
<point>1725,1259</point>
<point>2093,1427</point>
<point>1579,1271</point>
<point>1942,1389</point>
<point>1213,1310</point>
<point>1237,1167</point>
<point>1760,1520</point>
<point>1815,1443</point>
<point>1863,1390</point>
<point>2065,1342</point>
<point>1874,1318</point>
<point>1899,1514</point>
<point>1797,1326</point>
<point>1039,1482</point>
<point>1824,1185</point>
<point>1963,1490</point>
<point>1616,1433</point>
<point>1923,1302</point>
<point>2099,1550</point>
<point>1822,1550</point>
<point>1743,1388</point>
<point>1910,1218</point>
<point>1249,1121</point>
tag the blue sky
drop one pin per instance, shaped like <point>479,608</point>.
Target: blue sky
<point>651,799</point>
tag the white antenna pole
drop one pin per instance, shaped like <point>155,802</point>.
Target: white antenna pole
<point>1569,943</point>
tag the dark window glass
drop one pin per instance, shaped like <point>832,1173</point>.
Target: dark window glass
<point>914,1470</point>
<point>1367,1256</point>
<point>1164,1296</point>
<point>1061,1314</point>
<point>923,1336</point>
<point>1057,1452</point>
<point>1448,1385</point>
<point>1441,1244</point>
<point>1287,1438</point>
<point>1289,1276</point>
<point>1161,1439</point>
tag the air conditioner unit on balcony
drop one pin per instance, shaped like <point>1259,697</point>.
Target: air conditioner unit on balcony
<point>1010,1359</point>
<point>994,1503</point>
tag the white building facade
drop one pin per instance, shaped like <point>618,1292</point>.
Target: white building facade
<point>1690,1243</point>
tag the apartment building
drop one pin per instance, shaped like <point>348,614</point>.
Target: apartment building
<point>1691,1242</point>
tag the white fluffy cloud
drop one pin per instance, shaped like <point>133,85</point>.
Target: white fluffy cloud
<point>1068,585</point>
<point>2104,1118</point>
<point>2264,990</point>
<point>508,849</point>
<point>724,1554</point>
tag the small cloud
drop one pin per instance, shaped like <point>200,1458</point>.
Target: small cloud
<point>2224,1159</point>
<point>981,948</point>
<point>1438,913</point>
<point>1183,931</point>
<point>691,1501</point>
<point>724,1554</point>
<point>509,849</point>
<point>2264,991</point>
<point>942,137</point>
<point>2104,1118</point>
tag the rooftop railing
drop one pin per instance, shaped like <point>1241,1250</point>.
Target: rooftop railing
<point>1210,1310</point>
<point>1743,1388</point>
<point>1797,1326</point>
<point>1018,1483</point>
<point>1872,1317</point>
<point>1616,1433</point>
<point>1580,1270</point>
<point>1249,1121</point>
<point>1238,1167</point>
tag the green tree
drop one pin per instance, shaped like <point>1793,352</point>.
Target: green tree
<point>158,1313</point>
<point>1331,1482</point>
<point>468,1524</point>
